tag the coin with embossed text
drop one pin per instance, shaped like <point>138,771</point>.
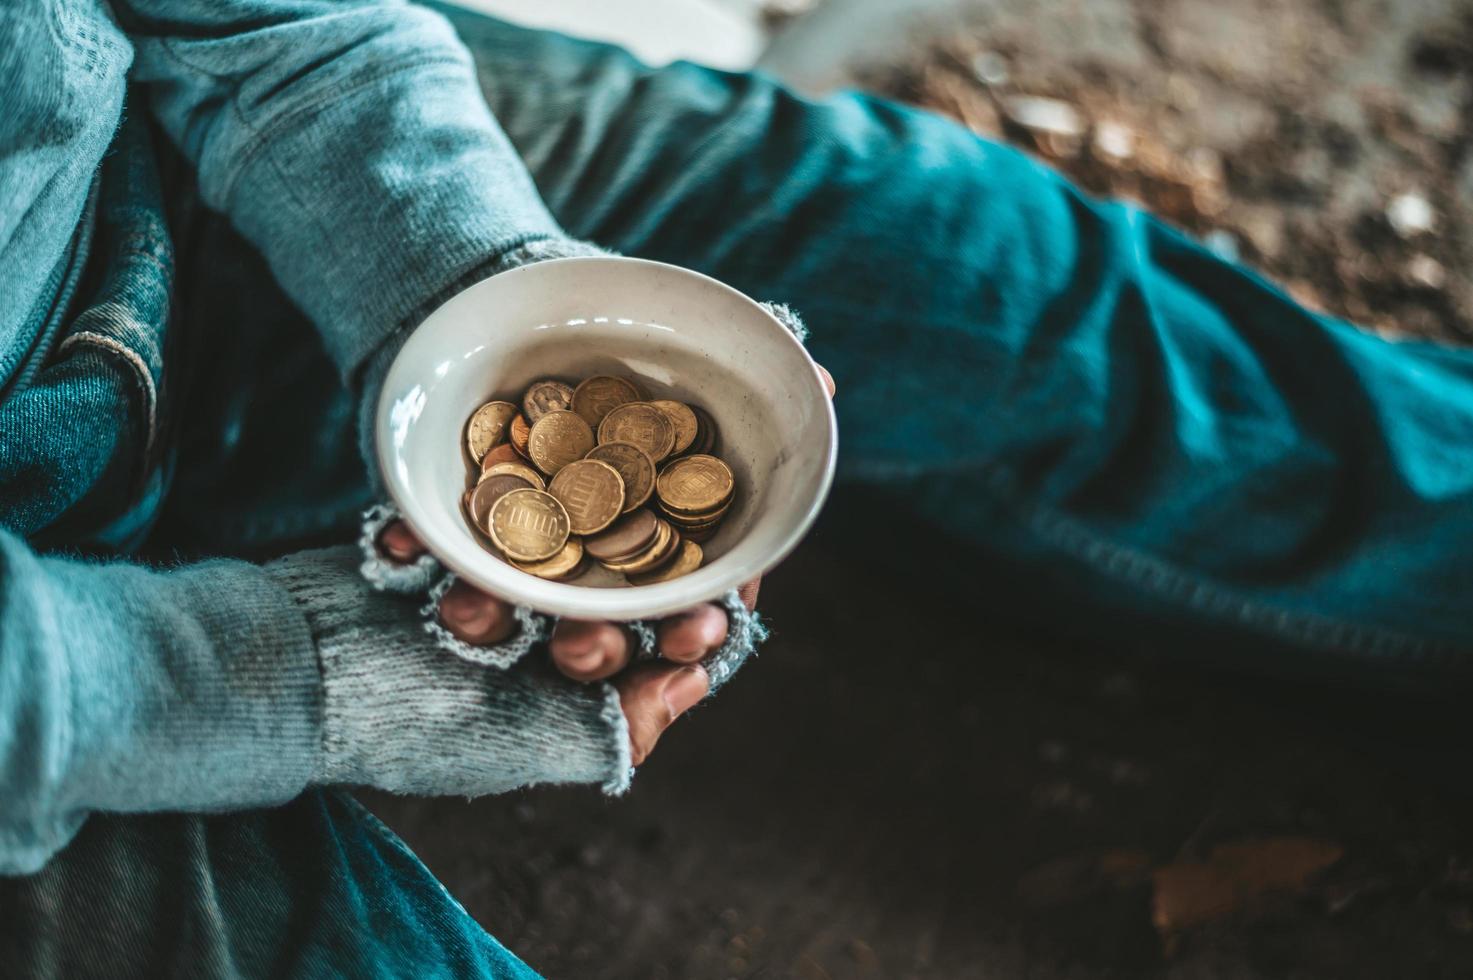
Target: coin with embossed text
<point>558,439</point>
<point>599,395</point>
<point>695,484</point>
<point>546,396</point>
<point>641,424</point>
<point>487,428</point>
<point>684,420</point>
<point>529,525</point>
<point>635,468</point>
<point>591,492</point>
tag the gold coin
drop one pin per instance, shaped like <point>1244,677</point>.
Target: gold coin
<point>533,478</point>
<point>517,435</point>
<point>487,427</point>
<point>558,439</point>
<point>546,396</point>
<point>635,468</point>
<point>487,492</point>
<point>706,434</point>
<point>529,525</point>
<point>704,519</point>
<point>687,560</point>
<point>684,420</point>
<point>591,492</point>
<point>642,424</point>
<point>695,484</point>
<point>503,453</point>
<point>560,565</point>
<point>601,394</point>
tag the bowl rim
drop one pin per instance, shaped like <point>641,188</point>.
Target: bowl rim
<point>618,604</point>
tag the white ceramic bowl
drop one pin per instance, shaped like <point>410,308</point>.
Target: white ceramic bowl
<point>682,335</point>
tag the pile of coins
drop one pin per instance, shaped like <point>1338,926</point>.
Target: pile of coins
<point>596,474</point>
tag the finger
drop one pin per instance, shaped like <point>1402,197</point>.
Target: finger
<point>653,696</point>
<point>475,617</point>
<point>590,651</point>
<point>828,379</point>
<point>691,635</point>
<point>748,593</point>
<point>399,544</point>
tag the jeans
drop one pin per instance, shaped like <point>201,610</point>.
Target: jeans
<point>1130,428</point>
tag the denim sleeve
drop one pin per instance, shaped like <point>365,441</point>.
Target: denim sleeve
<point>349,141</point>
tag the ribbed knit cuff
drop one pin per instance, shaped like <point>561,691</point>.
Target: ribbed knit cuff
<point>401,715</point>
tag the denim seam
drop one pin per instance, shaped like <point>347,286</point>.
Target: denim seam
<point>262,137</point>
<point>1164,578</point>
<point>135,361</point>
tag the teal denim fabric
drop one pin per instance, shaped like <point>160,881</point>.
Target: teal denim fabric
<point>1125,423</point>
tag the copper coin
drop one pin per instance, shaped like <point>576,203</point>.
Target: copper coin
<point>666,544</point>
<point>487,492</point>
<point>529,525</point>
<point>642,424</point>
<point>518,468</point>
<point>591,492</point>
<point>687,560</point>
<point>684,420</point>
<point>503,453</point>
<point>559,566</point>
<point>546,396</point>
<point>628,536</point>
<point>558,439</point>
<point>707,435</point>
<point>635,468</point>
<point>695,484</point>
<point>601,394</point>
<point>518,434</point>
<point>693,519</point>
<point>487,428</point>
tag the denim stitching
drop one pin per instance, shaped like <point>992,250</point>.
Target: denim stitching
<point>1171,582</point>
<point>134,360</point>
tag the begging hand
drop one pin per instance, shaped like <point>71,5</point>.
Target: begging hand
<point>652,694</point>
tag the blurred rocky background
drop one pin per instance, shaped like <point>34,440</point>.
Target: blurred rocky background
<point>977,800</point>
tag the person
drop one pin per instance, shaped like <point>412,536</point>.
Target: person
<point>217,223</point>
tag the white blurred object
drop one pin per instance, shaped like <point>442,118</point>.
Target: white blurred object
<point>1411,214</point>
<point>720,33</point>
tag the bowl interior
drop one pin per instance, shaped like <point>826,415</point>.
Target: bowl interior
<point>679,335</point>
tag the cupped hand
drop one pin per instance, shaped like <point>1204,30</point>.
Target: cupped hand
<point>652,694</point>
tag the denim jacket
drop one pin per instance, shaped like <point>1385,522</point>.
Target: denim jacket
<point>350,144</point>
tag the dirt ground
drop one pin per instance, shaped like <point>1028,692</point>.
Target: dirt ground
<point>999,803</point>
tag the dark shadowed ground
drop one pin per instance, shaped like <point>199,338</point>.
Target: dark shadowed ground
<point>892,791</point>
<point>887,794</point>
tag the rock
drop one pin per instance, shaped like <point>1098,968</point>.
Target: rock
<point>1224,244</point>
<point>1424,270</point>
<point>989,68</point>
<point>1114,140</point>
<point>1411,214</point>
<point>1043,115</point>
